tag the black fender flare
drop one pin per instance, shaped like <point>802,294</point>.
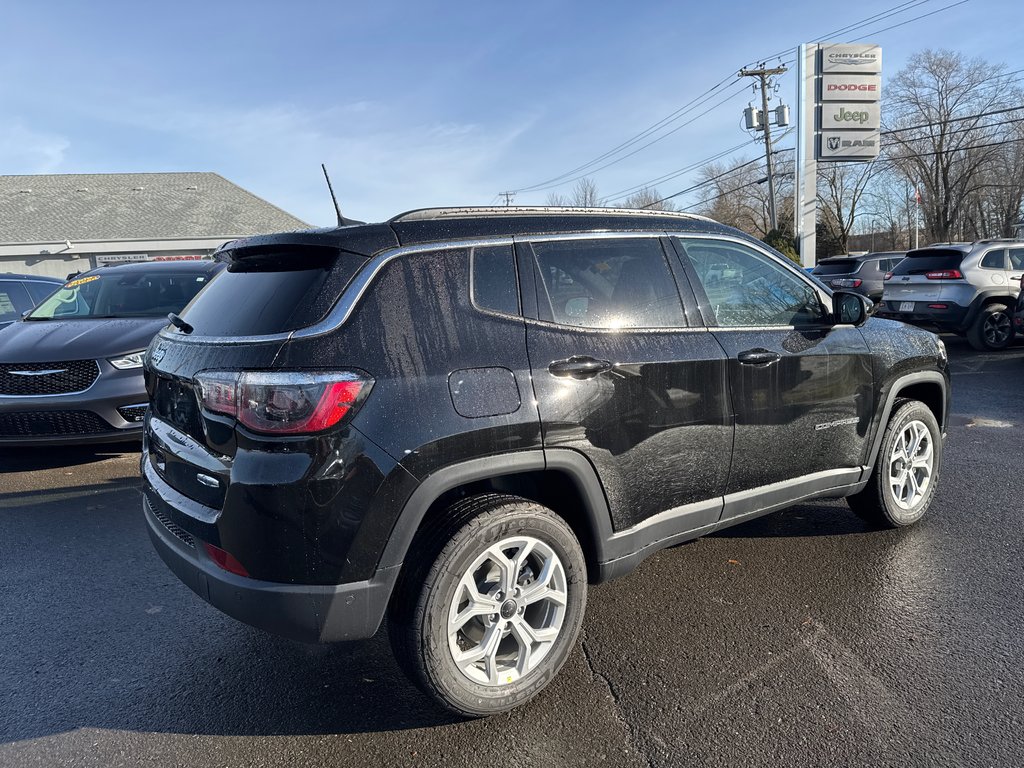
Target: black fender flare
<point>572,463</point>
<point>1000,293</point>
<point>897,386</point>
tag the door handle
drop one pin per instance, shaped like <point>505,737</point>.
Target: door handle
<point>759,357</point>
<point>580,367</point>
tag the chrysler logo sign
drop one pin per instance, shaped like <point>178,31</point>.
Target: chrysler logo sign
<point>859,59</point>
<point>852,59</point>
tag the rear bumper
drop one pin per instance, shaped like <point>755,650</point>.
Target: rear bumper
<point>308,612</point>
<point>953,318</point>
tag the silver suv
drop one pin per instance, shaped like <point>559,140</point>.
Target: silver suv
<point>965,288</point>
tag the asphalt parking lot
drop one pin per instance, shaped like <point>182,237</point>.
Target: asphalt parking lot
<point>800,639</point>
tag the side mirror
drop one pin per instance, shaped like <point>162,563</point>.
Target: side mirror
<point>850,308</point>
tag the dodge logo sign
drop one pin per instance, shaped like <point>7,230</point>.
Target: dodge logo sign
<point>833,143</point>
<point>851,87</point>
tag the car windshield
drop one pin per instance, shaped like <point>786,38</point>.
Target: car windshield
<point>125,294</point>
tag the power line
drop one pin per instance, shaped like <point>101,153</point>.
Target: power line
<point>576,173</point>
<point>908,21</point>
<point>954,120</point>
<point>590,170</point>
<point>678,172</point>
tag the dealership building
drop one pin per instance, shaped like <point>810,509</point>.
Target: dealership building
<point>64,223</point>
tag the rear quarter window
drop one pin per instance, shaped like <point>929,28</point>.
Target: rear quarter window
<point>276,293</point>
<point>929,260</point>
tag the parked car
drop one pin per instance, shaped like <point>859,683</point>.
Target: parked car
<point>965,288</point>
<point>71,370</point>
<point>862,274</point>
<point>19,293</point>
<point>459,417</point>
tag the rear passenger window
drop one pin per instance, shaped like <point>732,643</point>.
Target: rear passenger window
<point>614,283</point>
<point>494,279</point>
<point>994,260</point>
<point>1017,258</point>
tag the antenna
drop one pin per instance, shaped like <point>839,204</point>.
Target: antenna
<point>341,220</point>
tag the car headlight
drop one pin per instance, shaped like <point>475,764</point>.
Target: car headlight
<point>126,362</point>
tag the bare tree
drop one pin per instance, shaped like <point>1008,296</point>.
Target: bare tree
<point>649,199</point>
<point>735,192</point>
<point>583,195</point>
<point>942,140</point>
<point>841,188</point>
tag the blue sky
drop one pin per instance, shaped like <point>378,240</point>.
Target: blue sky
<point>414,104</point>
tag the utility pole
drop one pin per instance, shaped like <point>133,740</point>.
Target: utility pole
<point>508,197</point>
<point>763,74</point>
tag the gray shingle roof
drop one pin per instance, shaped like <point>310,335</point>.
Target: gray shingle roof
<point>132,206</point>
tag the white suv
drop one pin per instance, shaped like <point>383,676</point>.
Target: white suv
<point>965,288</point>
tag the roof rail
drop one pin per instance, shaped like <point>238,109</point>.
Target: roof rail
<point>427,214</point>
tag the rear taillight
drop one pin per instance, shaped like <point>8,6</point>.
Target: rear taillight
<point>888,276</point>
<point>944,274</point>
<point>283,402</point>
<point>846,282</point>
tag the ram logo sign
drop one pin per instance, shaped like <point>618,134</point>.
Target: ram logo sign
<point>849,145</point>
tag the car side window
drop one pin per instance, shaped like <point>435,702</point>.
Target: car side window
<point>1016,258</point>
<point>494,279</point>
<point>13,300</point>
<point>994,260</point>
<point>747,288</point>
<point>613,283</point>
<point>40,291</point>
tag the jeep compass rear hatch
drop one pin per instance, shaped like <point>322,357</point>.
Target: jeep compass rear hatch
<point>196,376</point>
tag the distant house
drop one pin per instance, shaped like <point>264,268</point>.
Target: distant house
<point>59,224</point>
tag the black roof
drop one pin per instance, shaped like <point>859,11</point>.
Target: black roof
<point>431,225</point>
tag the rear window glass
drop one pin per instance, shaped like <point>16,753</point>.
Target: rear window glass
<point>494,279</point>
<point>836,267</point>
<point>267,297</point>
<point>929,260</point>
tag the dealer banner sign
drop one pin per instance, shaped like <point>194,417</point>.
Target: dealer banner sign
<point>848,112</point>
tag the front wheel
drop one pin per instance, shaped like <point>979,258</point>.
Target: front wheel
<point>906,471</point>
<point>489,608</point>
<point>992,328</point>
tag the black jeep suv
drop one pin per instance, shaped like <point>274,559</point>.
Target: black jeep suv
<point>460,417</point>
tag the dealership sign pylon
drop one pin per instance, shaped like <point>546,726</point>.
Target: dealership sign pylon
<point>839,119</point>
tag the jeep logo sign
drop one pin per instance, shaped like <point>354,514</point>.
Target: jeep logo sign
<point>851,88</point>
<point>839,116</point>
<point>856,59</point>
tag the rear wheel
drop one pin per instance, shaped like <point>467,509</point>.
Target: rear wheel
<point>992,328</point>
<point>489,607</point>
<point>906,471</point>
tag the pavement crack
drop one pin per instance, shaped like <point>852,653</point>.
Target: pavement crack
<point>632,740</point>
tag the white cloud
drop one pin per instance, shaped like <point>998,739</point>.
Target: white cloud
<point>380,161</point>
<point>27,151</point>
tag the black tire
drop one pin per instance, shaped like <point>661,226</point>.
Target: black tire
<point>992,329</point>
<point>877,503</point>
<point>441,558</point>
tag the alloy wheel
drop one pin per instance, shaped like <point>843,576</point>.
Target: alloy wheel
<point>507,611</point>
<point>911,465</point>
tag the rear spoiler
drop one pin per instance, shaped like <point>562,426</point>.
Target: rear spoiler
<point>313,247</point>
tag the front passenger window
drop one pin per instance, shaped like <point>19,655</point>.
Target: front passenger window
<point>746,288</point>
